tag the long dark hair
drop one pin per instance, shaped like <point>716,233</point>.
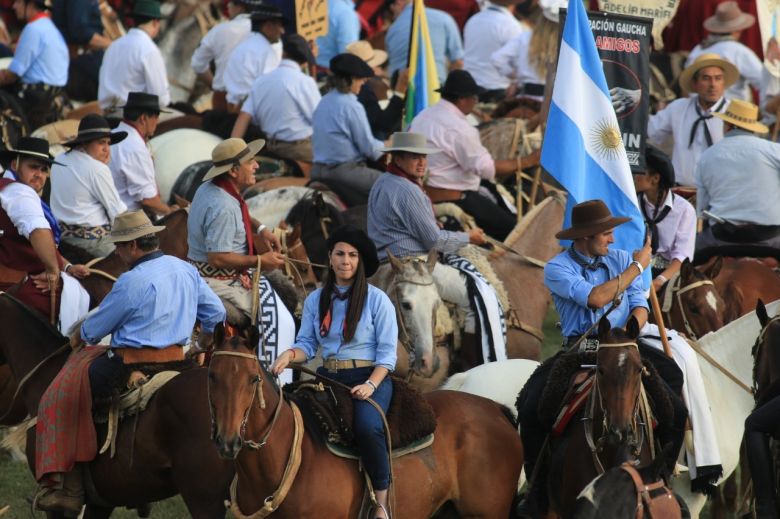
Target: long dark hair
<point>357,297</point>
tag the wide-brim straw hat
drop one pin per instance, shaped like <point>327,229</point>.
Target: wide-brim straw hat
<point>359,239</point>
<point>363,50</point>
<point>232,152</point>
<point>730,72</point>
<point>590,218</point>
<point>411,142</point>
<point>92,127</point>
<point>744,115</point>
<point>729,18</point>
<point>32,147</point>
<point>132,225</point>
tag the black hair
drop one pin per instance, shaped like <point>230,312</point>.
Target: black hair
<point>133,114</point>
<point>140,19</point>
<point>450,97</point>
<point>357,297</point>
<point>148,243</point>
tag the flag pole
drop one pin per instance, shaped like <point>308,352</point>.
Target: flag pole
<point>659,320</point>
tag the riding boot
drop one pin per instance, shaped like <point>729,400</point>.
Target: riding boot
<point>69,499</point>
<point>534,503</point>
<point>760,461</point>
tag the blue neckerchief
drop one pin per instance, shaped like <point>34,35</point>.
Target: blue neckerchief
<point>147,257</point>
<point>55,227</point>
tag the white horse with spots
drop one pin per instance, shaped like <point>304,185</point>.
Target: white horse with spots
<point>173,151</point>
<point>272,207</point>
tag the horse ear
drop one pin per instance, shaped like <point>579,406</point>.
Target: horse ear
<point>433,258</point>
<point>219,334</point>
<point>763,316</point>
<point>604,327</point>
<point>686,269</point>
<point>715,269</point>
<point>632,327</point>
<point>253,336</point>
<point>394,262</point>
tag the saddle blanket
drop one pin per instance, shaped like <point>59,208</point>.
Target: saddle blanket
<point>575,399</point>
<point>277,328</point>
<point>489,312</point>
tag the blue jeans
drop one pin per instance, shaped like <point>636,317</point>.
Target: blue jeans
<point>367,423</point>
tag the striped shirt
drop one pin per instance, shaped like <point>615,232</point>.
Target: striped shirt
<point>400,219</point>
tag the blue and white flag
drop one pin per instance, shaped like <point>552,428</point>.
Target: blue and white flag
<point>583,148</point>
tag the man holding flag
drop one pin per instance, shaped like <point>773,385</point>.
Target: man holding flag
<point>589,275</point>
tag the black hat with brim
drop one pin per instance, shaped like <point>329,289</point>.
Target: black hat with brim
<point>460,83</point>
<point>143,101</point>
<point>360,240</point>
<point>350,65</point>
<point>262,12</point>
<point>92,127</point>
<point>659,162</point>
<point>31,147</point>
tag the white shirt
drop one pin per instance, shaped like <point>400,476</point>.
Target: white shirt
<point>133,63</point>
<point>82,191</point>
<point>675,122</point>
<point>132,168</point>
<point>484,34</point>
<point>512,61</point>
<point>251,58</point>
<point>282,102</point>
<point>217,45</point>
<point>740,56</point>
<point>23,207</point>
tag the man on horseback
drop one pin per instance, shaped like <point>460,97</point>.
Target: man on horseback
<point>133,63</point>
<point>463,164</point>
<point>150,314</point>
<point>83,196</point>
<point>29,257</point>
<point>40,64</point>
<point>131,162</point>
<point>401,221</point>
<point>738,183</point>
<point>689,121</point>
<point>217,46</point>
<point>584,280</point>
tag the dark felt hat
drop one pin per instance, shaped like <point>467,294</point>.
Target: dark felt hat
<point>147,9</point>
<point>589,218</point>
<point>92,127</point>
<point>296,47</point>
<point>659,162</point>
<point>460,83</point>
<point>143,101</point>
<point>30,147</point>
<point>262,12</point>
<point>350,65</point>
<point>360,240</point>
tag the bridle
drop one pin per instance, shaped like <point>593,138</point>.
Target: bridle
<point>673,292</point>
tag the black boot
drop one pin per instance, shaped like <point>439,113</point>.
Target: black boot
<point>534,503</point>
<point>760,461</point>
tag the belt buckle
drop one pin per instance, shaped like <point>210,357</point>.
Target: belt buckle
<point>335,368</point>
<point>589,345</point>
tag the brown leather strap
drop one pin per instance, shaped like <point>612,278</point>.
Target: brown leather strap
<point>438,194</point>
<point>145,355</point>
<point>662,506</point>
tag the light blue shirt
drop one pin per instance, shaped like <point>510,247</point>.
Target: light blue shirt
<point>342,133</point>
<point>155,304</point>
<point>570,288</point>
<point>282,102</point>
<point>401,220</point>
<point>41,55</point>
<point>214,224</point>
<point>738,179</point>
<point>376,334</point>
<point>445,40</point>
<point>343,29</point>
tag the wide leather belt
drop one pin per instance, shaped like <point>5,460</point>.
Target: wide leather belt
<point>333,365</point>
<point>148,354</point>
<point>439,194</point>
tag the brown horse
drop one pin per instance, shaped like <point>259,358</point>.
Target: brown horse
<point>611,422</point>
<point>523,276</point>
<point>471,469</point>
<point>166,451</point>
<point>743,281</point>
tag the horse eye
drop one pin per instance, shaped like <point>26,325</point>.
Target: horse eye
<point>406,305</point>
<point>694,310</point>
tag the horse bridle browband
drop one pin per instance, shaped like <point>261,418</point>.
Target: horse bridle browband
<point>674,292</point>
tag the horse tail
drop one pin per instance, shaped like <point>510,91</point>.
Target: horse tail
<point>455,382</point>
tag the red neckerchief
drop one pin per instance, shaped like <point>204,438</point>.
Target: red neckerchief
<point>224,182</point>
<point>327,320</point>
<point>393,169</point>
<point>38,16</point>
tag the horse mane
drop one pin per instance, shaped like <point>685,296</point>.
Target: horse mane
<point>74,253</point>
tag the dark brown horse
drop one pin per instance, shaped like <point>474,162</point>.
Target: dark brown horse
<point>611,422</point>
<point>168,451</point>
<point>766,355</point>
<point>471,469</point>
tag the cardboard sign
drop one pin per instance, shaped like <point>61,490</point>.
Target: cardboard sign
<point>661,11</point>
<point>311,18</point>
<point>768,20</point>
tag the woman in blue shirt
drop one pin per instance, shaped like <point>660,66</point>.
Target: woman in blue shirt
<point>355,325</point>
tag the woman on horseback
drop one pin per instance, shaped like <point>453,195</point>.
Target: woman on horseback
<point>355,325</point>
<point>670,218</point>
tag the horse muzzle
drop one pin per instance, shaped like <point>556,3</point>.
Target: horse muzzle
<point>427,364</point>
<point>228,449</point>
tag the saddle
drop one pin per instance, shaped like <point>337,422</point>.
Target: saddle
<point>329,407</point>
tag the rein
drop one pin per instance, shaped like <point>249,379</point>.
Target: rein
<point>99,272</point>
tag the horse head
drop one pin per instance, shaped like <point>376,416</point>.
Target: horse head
<point>417,300</point>
<point>317,219</point>
<point>619,371</point>
<point>692,304</point>
<point>766,354</point>
<point>235,382</point>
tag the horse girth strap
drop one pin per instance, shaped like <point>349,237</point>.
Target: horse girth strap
<point>662,506</point>
<point>699,350</point>
<point>275,500</point>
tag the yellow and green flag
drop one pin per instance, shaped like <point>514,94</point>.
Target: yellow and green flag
<point>423,77</point>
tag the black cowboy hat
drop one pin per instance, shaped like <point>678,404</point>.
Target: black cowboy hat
<point>92,127</point>
<point>262,12</point>
<point>296,47</point>
<point>30,147</point>
<point>658,162</point>
<point>589,218</point>
<point>350,65</point>
<point>360,240</point>
<point>460,83</point>
<point>143,101</point>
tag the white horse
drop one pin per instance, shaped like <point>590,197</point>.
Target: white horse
<point>173,151</point>
<point>271,207</point>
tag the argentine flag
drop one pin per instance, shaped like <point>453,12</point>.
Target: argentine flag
<point>583,148</point>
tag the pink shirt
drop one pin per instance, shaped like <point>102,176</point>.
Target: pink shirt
<point>676,232</point>
<point>463,161</point>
